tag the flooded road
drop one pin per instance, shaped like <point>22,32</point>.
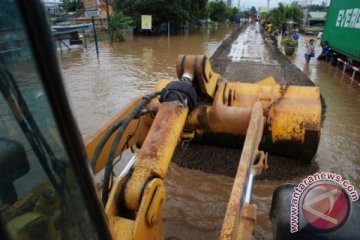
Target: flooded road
<point>100,88</point>
<point>339,148</point>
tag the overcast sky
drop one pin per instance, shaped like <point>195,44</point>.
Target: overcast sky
<point>273,3</point>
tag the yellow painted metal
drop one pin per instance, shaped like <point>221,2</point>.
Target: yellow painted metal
<point>220,117</point>
<point>157,150</point>
<point>143,191</point>
<point>199,67</point>
<point>137,138</point>
<point>230,228</point>
<point>161,84</point>
<point>162,138</point>
<point>298,111</point>
<point>237,108</point>
<point>295,112</point>
<point>148,221</point>
<point>120,227</point>
<point>206,76</point>
<point>151,207</point>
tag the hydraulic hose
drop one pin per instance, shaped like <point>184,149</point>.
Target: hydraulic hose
<point>122,127</point>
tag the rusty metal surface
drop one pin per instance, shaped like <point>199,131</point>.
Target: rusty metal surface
<point>247,222</point>
<point>254,133</point>
<point>155,155</point>
<point>292,110</point>
<point>199,67</point>
<point>237,108</point>
<point>148,222</point>
<point>144,191</point>
<point>162,138</point>
<point>186,64</point>
<point>207,78</point>
<point>298,111</point>
<point>220,117</point>
<point>293,114</point>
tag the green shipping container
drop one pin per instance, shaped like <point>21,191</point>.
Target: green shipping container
<point>342,28</point>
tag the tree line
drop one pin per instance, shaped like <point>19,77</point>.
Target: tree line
<point>174,11</point>
<point>283,14</point>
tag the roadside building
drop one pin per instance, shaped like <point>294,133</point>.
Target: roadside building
<point>101,18</point>
<point>52,6</point>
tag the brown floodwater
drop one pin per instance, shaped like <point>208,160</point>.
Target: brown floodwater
<point>99,88</point>
<point>339,148</point>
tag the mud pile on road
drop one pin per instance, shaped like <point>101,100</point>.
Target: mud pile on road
<point>224,161</point>
<point>283,72</point>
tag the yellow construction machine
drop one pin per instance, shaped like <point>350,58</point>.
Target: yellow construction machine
<point>199,102</point>
<point>47,189</point>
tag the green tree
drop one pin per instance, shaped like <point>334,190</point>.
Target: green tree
<point>71,5</point>
<point>315,8</point>
<point>118,22</point>
<point>217,11</point>
<point>230,13</point>
<point>196,9</point>
<point>253,10</point>
<point>245,14</point>
<point>283,13</point>
<point>175,11</point>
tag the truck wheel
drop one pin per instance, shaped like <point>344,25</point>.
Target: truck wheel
<point>333,60</point>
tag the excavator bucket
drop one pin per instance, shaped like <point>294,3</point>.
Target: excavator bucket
<point>269,117</point>
<point>293,113</point>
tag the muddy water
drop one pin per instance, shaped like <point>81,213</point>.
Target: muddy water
<point>196,203</point>
<point>99,88</point>
<point>339,149</point>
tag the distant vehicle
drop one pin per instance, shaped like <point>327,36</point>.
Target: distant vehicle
<point>342,30</point>
<point>314,22</point>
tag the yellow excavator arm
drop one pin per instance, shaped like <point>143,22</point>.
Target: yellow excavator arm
<point>291,115</point>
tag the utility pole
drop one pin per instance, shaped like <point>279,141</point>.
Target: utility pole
<point>268,5</point>
<point>107,13</point>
